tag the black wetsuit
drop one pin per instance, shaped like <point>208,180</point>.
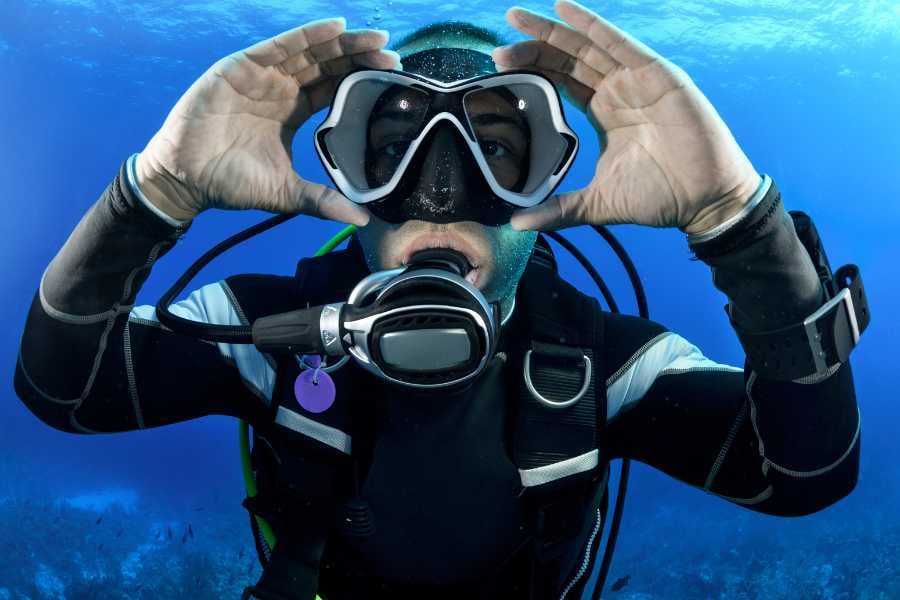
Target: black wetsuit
<point>92,362</point>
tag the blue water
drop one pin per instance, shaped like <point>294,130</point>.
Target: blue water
<point>810,91</point>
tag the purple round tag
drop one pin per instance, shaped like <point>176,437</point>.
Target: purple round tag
<point>314,390</point>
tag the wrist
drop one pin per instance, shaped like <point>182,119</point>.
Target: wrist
<point>728,209</point>
<point>162,192</point>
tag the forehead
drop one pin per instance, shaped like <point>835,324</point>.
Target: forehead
<point>447,65</point>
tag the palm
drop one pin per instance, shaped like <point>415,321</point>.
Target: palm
<point>668,158</point>
<point>665,146</point>
<point>228,140</point>
<point>235,129</point>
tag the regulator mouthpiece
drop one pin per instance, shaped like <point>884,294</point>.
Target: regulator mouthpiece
<point>441,258</point>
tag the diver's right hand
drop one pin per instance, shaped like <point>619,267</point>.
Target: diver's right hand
<point>227,142</point>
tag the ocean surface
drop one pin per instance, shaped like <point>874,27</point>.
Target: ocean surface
<point>811,90</point>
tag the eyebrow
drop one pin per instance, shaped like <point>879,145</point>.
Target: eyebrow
<point>397,115</point>
<point>494,118</point>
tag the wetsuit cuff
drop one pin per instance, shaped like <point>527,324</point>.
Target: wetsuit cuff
<point>765,183</point>
<point>756,220</point>
<point>131,177</point>
<point>763,268</point>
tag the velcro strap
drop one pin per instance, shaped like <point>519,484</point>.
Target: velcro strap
<point>821,341</point>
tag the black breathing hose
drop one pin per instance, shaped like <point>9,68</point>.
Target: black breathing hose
<point>643,311</point>
<point>585,263</point>
<point>231,334</point>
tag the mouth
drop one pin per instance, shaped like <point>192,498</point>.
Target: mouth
<point>451,242</point>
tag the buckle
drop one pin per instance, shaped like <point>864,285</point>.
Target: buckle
<point>843,298</point>
<point>529,384</point>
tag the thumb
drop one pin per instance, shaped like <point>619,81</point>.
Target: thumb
<point>557,212</point>
<point>321,201</point>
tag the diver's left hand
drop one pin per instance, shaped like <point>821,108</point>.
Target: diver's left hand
<point>669,160</point>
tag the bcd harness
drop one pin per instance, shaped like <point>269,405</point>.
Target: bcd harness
<point>556,445</point>
<point>555,430</point>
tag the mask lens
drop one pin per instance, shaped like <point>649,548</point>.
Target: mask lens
<point>514,128</point>
<point>378,122</point>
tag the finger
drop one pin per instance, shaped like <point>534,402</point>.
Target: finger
<point>321,201</point>
<point>543,56</point>
<point>348,43</point>
<point>337,67</point>
<point>284,45</point>
<point>319,93</point>
<point>624,48</point>
<point>557,212</point>
<point>561,36</point>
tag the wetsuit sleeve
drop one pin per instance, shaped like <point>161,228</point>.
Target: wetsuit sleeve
<point>90,361</point>
<point>778,447</point>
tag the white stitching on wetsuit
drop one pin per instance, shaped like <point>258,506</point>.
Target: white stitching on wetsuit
<point>726,446</point>
<point>244,320</point>
<point>825,469</point>
<point>71,319</point>
<point>212,304</point>
<point>766,463</point>
<point>760,497</point>
<point>667,353</point>
<point>38,390</point>
<point>101,345</point>
<point>129,371</point>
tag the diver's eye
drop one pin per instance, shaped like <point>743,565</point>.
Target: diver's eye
<point>396,149</point>
<point>494,149</point>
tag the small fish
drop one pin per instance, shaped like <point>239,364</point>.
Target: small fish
<point>158,533</point>
<point>190,531</point>
<point>99,519</point>
<point>169,532</point>
<point>100,547</point>
<point>184,538</point>
<point>119,533</point>
<point>199,508</point>
<point>619,583</point>
<point>241,554</point>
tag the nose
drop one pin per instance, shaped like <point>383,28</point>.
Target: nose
<point>444,175</point>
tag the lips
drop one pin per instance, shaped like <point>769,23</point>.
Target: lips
<point>449,241</point>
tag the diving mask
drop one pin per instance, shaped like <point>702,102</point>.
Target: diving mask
<point>408,147</point>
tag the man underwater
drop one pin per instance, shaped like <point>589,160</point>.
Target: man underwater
<point>490,488</point>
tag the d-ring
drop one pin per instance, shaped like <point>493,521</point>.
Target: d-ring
<point>550,403</point>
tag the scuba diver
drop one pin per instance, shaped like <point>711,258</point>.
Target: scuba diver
<point>434,409</point>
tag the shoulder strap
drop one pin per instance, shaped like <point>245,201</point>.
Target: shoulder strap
<point>331,277</point>
<point>555,437</point>
<point>320,480</point>
<point>558,443</point>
